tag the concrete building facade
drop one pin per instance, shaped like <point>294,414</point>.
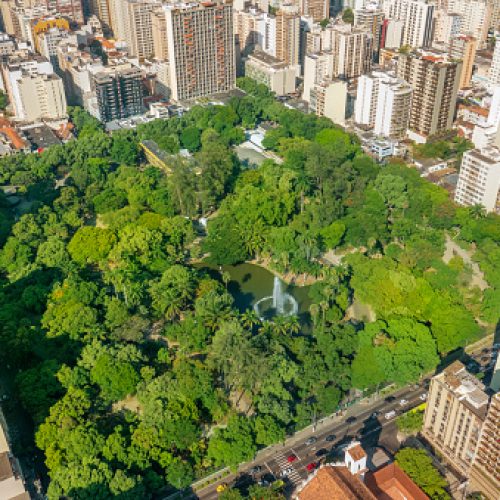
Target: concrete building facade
<point>435,82</point>
<point>278,76</point>
<point>201,48</point>
<point>479,179</point>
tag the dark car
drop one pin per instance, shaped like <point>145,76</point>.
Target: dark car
<point>311,440</point>
<point>330,438</point>
<point>321,452</point>
<point>390,399</point>
<point>351,420</point>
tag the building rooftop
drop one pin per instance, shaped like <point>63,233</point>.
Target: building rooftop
<point>466,387</point>
<point>391,483</point>
<point>489,155</point>
<point>40,136</point>
<point>333,482</point>
<point>267,60</point>
<point>356,452</point>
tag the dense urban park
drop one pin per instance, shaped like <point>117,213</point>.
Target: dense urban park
<point>134,362</point>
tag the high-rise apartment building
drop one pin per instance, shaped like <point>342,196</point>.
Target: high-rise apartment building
<point>102,9</point>
<point>118,92</point>
<point>278,76</point>
<point>485,471</point>
<point>435,82</point>
<point>494,75</point>
<point>446,26</point>
<point>132,23</point>
<point>463,48</point>
<point>288,34</point>
<point>159,33</point>
<point>68,8</point>
<point>479,179</point>
<point>417,16</point>
<point>317,67</point>
<point>329,98</point>
<point>384,103</point>
<point>201,48</point>
<point>456,410</point>
<point>370,20</point>
<point>475,18</point>
<point>352,50</point>
<point>317,9</point>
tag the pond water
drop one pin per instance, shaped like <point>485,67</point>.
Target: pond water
<point>250,284</point>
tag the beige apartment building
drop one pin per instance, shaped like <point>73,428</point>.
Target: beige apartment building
<point>463,48</point>
<point>270,71</point>
<point>317,9</point>
<point>485,471</point>
<point>132,23</point>
<point>42,97</point>
<point>159,32</point>
<point>288,34</point>
<point>479,179</point>
<point>352,50</point>
<point>456,410</point>
<point>200,48</point>
<point>329,98</point>
<point>435,81</point>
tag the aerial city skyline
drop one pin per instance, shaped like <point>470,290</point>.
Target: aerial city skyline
<point>250,249</point>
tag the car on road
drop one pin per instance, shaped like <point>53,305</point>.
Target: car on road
<point>255,470</point>
<point>390,414</point>
<point>286,472</point>
<point>403,402</point>
<point>390,399</point>
<point>222,487</point>
<point>311,466</point>
<point>351,420</point>
<point>321,452</point>
<point>330,438</point>
<point>291,458</point>
<point>311,440</point>
<point>267,479</point>
<point>423,396</point>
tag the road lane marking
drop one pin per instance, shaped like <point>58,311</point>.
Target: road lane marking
<point>295,453</point>
<point>269,468</point>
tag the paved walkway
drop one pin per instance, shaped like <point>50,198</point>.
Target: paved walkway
<point>452,249</point>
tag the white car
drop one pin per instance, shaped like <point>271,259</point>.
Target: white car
<point>403,402</point>
<point>390,414</point>
<point>423,396</point>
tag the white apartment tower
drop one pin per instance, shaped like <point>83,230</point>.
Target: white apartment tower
<point>494,75</point>
<point>200,48</point>
<point>417,16</point>
<point>383,103</point>
<point>479,179</point>
<point>476,16</point>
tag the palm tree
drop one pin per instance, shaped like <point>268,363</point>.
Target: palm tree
<point>226,278</point>
<point>250,319</point>
<point>477,212</point>
<point>293,325</point>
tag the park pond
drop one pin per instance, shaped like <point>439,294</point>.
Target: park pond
<point>254,287</point>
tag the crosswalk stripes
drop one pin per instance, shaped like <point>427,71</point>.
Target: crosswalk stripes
<point>283,463</point>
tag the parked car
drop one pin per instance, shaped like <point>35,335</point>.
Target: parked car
<point>321,452</point>
<point>255,470</point>
<point>222,487</point>
<point>311,440</point>
<point>311,466</point>
<point>390,399</point>
<point>423,396</point>
<point>291,458</point>
<point>351,420</point>
<point>403,402</point>
<point>390,414</point>
<point>330,438</point>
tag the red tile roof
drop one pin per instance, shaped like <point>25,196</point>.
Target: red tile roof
<point>391,483</point>
<point>335,483</point>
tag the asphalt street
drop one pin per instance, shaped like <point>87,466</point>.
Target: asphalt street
<point>364,426</point>
<point>359,423</point>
